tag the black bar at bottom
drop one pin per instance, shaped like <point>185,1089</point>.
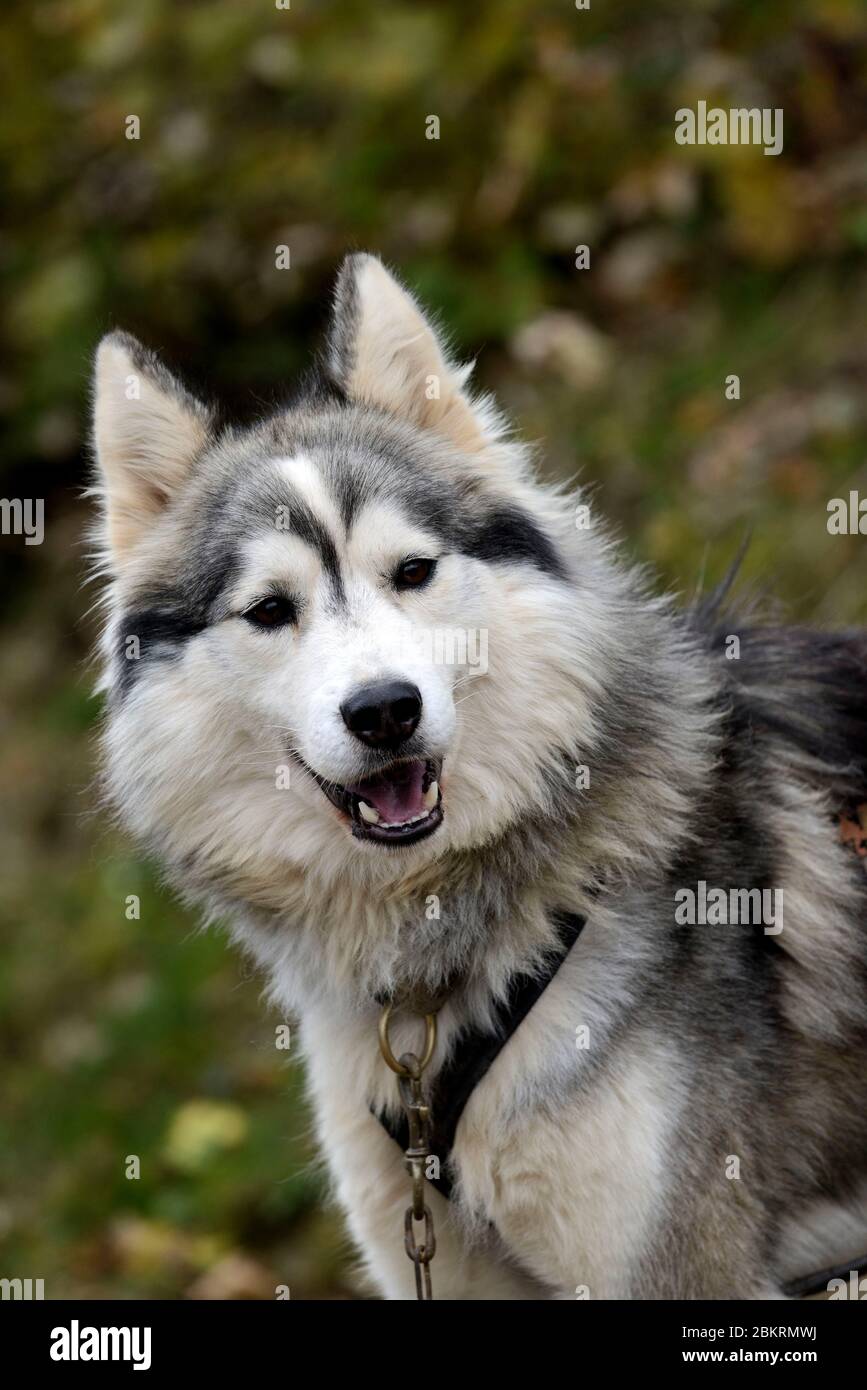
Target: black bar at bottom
<point>259,1340</point>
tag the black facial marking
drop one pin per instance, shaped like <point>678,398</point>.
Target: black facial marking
<point>164,618</point>
<point>148,634</point>
<point>304,524</point>
<point>508,534</point>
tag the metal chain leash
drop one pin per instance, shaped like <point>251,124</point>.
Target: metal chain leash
<point>410,1069</point>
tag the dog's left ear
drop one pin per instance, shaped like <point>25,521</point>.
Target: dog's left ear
<point>381,349</point>
<point>147,432</point>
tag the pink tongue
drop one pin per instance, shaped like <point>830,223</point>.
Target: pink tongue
<point>397,795</point>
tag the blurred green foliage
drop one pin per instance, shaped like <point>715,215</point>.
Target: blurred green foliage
<point>306,127</point>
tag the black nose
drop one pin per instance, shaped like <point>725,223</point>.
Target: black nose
<point>383,715</point>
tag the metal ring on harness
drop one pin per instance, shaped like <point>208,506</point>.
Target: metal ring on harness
<point>430,1022</point>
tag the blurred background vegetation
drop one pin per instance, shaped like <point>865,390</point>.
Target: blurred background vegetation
<point>305,127</point>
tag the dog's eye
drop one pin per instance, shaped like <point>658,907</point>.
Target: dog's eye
<point>413,573</point>
<point>271,612</point>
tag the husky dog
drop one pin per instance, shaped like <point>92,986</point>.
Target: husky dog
<point>683,1112</point>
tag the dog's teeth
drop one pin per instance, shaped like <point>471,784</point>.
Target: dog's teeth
<point>402,824</point>
<point>431,796</point>
<point>368,813</point>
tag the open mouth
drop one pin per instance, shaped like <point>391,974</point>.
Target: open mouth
<point>399,806</point>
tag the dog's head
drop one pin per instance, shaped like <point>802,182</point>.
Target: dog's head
<point>345,639</point>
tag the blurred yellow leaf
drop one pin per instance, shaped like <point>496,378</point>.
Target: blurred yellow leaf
<point>200,1129</point>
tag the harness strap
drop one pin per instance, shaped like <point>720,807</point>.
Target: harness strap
<point>476,1052</point>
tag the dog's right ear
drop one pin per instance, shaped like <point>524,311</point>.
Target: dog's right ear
<point>382,350</point>
<point>147,432</point>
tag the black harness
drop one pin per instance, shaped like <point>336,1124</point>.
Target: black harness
<point>476,1052</point>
